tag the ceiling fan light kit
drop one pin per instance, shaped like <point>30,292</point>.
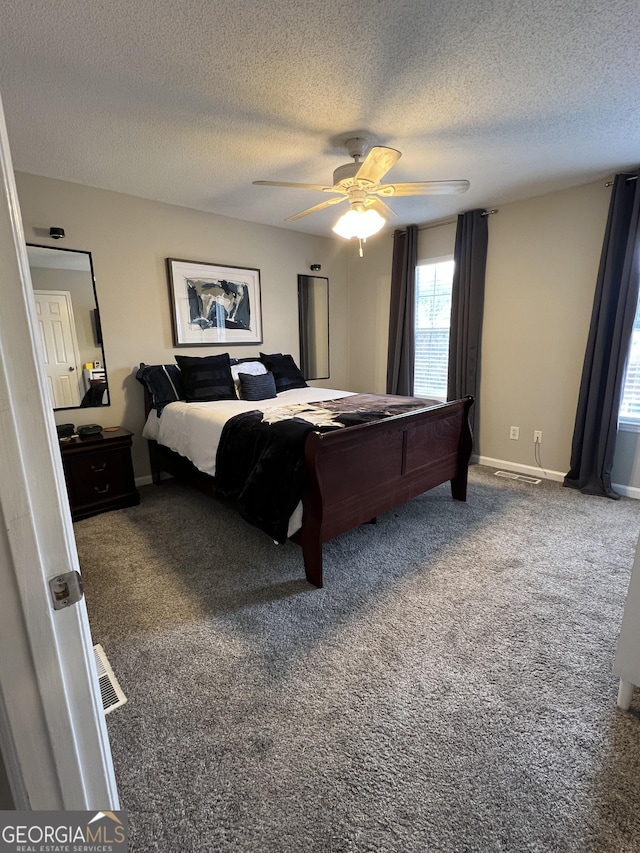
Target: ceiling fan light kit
<point>359,223</point>
<point>359,184</point>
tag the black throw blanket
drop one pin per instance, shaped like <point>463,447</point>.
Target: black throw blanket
<point>260,462</point>
<point>261,466</point>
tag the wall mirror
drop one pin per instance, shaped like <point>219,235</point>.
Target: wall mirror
<point>313,316</point>
<point>69,320</point>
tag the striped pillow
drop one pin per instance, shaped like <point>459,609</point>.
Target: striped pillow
<point>207,378</point>
<point>163,382</point>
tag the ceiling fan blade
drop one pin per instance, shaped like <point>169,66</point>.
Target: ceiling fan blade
<point>382,208</point>
<point>296,186</point>
<point>315,208</point>
<point>377,163</point>
<point>423,188</point>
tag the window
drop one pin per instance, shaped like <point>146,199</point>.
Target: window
<point>434,282</point>
<point>630,404</point>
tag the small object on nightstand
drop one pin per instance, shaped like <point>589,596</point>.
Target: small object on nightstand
<point>89,429</point>
<point>65,430</point>
<point>110,429</point>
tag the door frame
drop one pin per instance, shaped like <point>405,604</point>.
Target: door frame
<point>53,735</point>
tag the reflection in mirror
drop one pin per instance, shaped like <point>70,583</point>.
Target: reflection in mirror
<point>69,320</point>
<point>313,314</point>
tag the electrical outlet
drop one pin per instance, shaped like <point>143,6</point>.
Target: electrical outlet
<point>514,433</point>
<point>537,436</point>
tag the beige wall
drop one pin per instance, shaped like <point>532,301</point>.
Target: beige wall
<point>436,241</point>
<point>369,279</point>
<point>541,271</point>
<point>130,238</point>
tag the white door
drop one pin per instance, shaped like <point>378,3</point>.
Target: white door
<point>59,346</point>
<point>53,736</point>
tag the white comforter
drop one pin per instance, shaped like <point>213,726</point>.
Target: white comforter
<point>194,429</point>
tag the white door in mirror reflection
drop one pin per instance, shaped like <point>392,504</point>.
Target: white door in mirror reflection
<point>60,347</point>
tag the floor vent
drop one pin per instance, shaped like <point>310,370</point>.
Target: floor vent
<point>112,695</point>
<point>510,475</point>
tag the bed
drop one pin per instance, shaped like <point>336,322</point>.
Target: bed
<point>352,473</point>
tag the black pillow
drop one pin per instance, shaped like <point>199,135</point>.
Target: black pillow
<point>163,382</point>
<point>261,387</point>
<point>285,371</point>
<point>207,378</point>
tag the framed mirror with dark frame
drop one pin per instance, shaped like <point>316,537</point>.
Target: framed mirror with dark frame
<point>69,321</point>
<point>313,318</point>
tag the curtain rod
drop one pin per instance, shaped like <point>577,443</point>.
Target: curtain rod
<point>436,224</point>
<point>452,221</point>
<point>632,178</point>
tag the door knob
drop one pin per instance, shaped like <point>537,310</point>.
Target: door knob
<point>71,369</point>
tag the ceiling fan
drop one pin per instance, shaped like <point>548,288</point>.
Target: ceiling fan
<point>359,184</point>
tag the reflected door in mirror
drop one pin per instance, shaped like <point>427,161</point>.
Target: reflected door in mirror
<point>59,347</point>
<point>69,326</point>
<point>313,315</point>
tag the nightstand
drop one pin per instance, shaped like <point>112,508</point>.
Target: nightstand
<point>99,472</point>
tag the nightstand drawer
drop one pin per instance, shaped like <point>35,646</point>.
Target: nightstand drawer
<point>99,473</point>
<point>97,476</point>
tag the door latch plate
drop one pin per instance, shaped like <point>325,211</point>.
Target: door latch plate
<point>66,589</point>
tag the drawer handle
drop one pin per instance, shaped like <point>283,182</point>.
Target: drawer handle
<point>102,468</point>
<point>101,491</point>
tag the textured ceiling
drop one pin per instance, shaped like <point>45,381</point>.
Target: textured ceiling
<point>190,102</point>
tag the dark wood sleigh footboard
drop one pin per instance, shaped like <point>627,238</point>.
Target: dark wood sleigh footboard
<point>359,472</point>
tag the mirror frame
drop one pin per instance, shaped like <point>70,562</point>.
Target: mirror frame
<point>307,358</point>
<point>95,322</point>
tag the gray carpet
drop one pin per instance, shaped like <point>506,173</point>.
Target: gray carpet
<point>450,689</point>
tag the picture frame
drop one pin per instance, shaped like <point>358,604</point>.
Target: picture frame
<point>214,304</point>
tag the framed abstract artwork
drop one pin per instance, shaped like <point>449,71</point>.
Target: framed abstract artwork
<point>214,304</point>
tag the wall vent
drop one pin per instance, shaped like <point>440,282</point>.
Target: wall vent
<point>112,695</point>
<point>510,475</point>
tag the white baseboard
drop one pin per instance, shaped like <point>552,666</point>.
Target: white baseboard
<point>627,491</point>
<point>557,476</point>
<point>530,470</point>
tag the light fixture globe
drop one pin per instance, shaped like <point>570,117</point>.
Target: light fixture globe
<point>359,223</point>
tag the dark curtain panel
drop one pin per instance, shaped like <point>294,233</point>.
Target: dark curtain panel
<point>402,312</point>
<point>467,305</point>
<point>614,308</point>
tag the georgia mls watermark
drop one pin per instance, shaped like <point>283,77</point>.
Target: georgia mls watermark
<point>63,832</point>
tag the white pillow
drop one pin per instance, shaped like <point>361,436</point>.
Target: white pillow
<point>254,368</point>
